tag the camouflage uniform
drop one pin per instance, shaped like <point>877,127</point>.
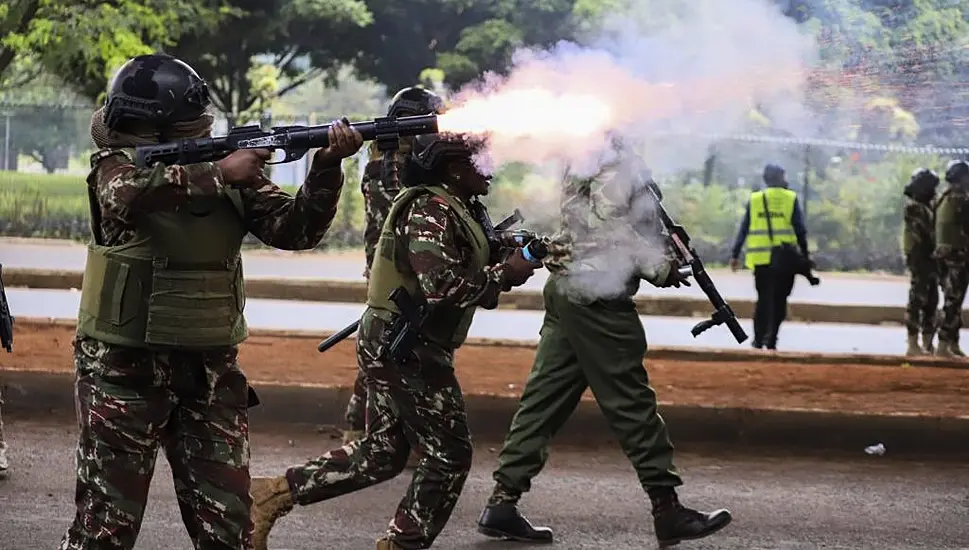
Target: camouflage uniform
<point>192,403</point>
<point>3,443</point>
<point>592,337</point>
<point>415,404</point>
<point>380,184</point>
<point>952,252</point>
<point>923,295</point>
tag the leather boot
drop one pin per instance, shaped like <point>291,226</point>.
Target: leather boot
<point>271,500</point>
<point>675,523</point>
<point>349,436</point>
<point>387,544</point>
<point>504,521</point>
<point>948,349</point>
<point>927,338</point>
<point>913,346</point>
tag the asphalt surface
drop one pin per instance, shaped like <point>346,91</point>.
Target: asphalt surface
<point>590,497</point>
<point>515,325</point>
<point>834,289</point>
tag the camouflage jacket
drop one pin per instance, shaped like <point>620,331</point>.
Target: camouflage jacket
<point>919,228</point>
<point>602,234</point>
<point>276,218</point>
<point>380,184</point>
<point>438,253</point>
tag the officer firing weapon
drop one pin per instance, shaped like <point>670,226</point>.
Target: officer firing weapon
<point>295,141</point>
<point>345,333</point>
<point>6,320</point>
<point>405,330</point>
<point>687,256</point>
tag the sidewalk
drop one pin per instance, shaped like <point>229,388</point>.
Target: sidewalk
<point>781,402</point>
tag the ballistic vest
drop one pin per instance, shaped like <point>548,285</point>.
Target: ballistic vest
<point>780,201</point>
<point>950,227</point>
<point>446,325</point>
<point>177,284</point>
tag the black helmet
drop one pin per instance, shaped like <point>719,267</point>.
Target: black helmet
<point>415,101</point>
<point>158,89</point>
<point>922,185</point>
<point>774,175</point>
<point>433,149</point>
<point>925,176</point>
<point>956,171</point>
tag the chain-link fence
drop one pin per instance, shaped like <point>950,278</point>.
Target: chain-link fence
<point>850,191</point>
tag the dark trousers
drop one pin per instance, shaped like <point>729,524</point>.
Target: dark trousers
<point>773,289</point>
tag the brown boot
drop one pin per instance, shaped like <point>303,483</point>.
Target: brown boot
<point>387,544</point>
<point>913,346</point>
<point>271,500</point>
<point>349,436</point>
<point>927,345</point>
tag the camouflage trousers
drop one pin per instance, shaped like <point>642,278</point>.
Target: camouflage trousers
<point>417,404</point>
<point>356,415</point>
<point>193,405</point>
<point>923,296</point>
<point>955,279</point>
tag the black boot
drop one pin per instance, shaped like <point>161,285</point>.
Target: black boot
<point>675,523</point>
<point>503,521</point>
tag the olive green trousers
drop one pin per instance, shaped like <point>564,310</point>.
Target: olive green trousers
<point>599,346</point>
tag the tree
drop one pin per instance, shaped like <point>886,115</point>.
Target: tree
<point>84,41</point>
<point>48,121</point>
<point>297,40</point>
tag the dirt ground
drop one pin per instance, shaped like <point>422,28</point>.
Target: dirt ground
<point>502,371</point>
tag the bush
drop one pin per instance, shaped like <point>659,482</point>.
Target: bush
<point>853,215</point>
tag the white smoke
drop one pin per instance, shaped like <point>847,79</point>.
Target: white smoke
<point>663,68</point>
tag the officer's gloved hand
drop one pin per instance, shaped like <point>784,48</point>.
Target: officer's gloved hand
<point>518,269</point>
<point>678,276</point>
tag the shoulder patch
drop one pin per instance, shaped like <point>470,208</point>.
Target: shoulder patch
<point>438,200</point>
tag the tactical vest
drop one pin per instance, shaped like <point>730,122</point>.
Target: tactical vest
<point>950,229</point>
<point>780,201</point>
<point>910,240</point>
<point>446,325</point>
<point>177,284</point>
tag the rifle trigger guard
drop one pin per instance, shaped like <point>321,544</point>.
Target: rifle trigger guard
<point>291,155</point>
<point>386,134</point>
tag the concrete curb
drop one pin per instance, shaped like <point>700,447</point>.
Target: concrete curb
<point>654,353</point>
<point>323,290</point>
<point>31,393</point>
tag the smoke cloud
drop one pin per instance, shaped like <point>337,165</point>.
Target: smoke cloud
<point>654,69</point>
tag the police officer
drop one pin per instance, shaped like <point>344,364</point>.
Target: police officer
<point>952,252</point>
<point>918,245</point>
<point>161,311</point>
<point>432,245</point>
<point>382,180</point>
<point>773,283</point>
<point>592,337</point>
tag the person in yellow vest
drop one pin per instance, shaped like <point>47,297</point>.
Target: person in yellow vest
<point>786,225</point>
<point>952,253</point>
<point>161,312</point>
<point>433,246</point>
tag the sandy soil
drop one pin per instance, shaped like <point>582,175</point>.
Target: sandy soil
<point>502,371</point>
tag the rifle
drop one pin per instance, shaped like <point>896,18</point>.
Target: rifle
<point>722,313</point>
<point>345,333</point>
<point>295,141</point>
<point>6,320</point>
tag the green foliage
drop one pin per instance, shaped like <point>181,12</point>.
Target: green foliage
<point>85,41</point>
<point>280,34</point>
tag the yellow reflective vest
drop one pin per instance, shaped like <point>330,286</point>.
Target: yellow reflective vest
<point>780,202</point>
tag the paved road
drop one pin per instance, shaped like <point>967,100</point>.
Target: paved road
<point>779,503</point>
<point>514,325</point>
<point>835,289</point>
